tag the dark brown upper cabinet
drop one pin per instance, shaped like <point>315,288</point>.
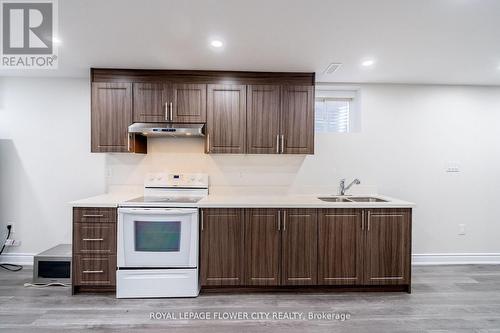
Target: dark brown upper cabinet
<point>226,118</point>
<point>189,103</point>
<point>262,247</point>
<point>165,102</point>
<point>151,102</point>
<point>110,117</point>
<point>300,247</point>
<point>221,253</point>
<point>297,120</point>
<point>280,119</point>
<point>387,247</point>
<point>244,112</point>
<point>263,119</point>
<point>340,246</point>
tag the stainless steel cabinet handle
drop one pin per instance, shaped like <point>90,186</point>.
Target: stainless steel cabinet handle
<point>93,272</point>
<point>277,144</point>
<point>202,220</point>
<point>369,220</point>
<point>284,220</point>
<point>279,220</point>
<point>166,111</point>
<point>171,111</point>
<point>282,143</point>
<point>93,239</point>
<point>93,215</point>
<point>128,142</point>
<point>208,143</point>
<point>362,220</point>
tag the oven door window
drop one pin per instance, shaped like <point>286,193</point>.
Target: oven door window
<point>158,236</point>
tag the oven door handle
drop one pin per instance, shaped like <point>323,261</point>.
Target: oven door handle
<point>157,211</point>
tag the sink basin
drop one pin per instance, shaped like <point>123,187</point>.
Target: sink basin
<point>334,199</point>
<point>366,199</point>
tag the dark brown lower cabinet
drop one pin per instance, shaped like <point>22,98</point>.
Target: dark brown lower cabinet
<point>94,249</point>
<point>387,247</point>
<point>300,247</point>
<point>222,247</point>
<point>340,246</point>
<point>267,248</point>
<point>262,247</point>
<point>306,247</point>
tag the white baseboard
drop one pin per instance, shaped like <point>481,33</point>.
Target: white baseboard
<point>24,259</point>
<point>456,258</point>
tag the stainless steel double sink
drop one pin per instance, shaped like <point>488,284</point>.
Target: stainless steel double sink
<point>351,199</point>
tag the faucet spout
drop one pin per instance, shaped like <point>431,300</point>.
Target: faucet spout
<point>344,188</point>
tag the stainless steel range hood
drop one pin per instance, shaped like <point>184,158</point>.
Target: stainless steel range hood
<point>164,129</point>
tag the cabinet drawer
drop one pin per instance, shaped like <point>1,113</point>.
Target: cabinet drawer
<point>95,270</point>
<point>95,238</point>
<point>91,214</point>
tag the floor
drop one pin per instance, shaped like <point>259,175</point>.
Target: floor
<point>444,299</point>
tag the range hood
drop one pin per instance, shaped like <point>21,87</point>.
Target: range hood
<point>164,129</point>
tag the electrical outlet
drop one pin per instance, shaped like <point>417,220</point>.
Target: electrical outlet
<point>453,166</point>
<point>461,229</point>
<point>12,242</point>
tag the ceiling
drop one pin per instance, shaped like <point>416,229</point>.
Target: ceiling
<point>411,41</point>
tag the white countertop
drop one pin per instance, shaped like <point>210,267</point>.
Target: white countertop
<point>295,201</point>
<point>251,201</point>
<point>112,199</point>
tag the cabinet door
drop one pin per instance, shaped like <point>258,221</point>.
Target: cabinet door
<point>262,247</point>
<point>297,120</point>
<point>222,247</point>
<point>387,246</point>
<point>226,119</point>
<point>263,116</point>
<point>340,247</point>
<point>299,247</point>
<point>189,103</point>
<point>111,115</point>
<point>151,102</point>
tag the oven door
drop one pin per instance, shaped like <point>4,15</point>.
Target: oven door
<point>157,237</point>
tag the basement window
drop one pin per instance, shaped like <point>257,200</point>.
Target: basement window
<point>332,115</point>
<point>336,110</point>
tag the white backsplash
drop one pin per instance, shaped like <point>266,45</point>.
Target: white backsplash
<point>228,174</point>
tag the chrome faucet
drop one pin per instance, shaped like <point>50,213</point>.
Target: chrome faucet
<point>344,188</point>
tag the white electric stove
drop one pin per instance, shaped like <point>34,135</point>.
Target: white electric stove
<point>157,250</point>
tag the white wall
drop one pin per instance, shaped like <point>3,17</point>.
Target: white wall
<point>409,133</point>
<point>45,158</point>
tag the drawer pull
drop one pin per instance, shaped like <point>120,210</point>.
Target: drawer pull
<point>93,239</point>
<point>93,272</point>
<point>93,215</point>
